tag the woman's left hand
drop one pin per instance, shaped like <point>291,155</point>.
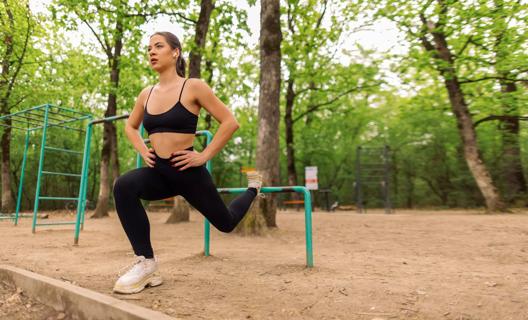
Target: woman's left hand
<point>187,159</point>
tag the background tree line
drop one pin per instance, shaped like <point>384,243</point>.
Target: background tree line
<point>453,118</point>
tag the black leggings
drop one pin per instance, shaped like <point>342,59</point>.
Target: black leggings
<point>195,184</point>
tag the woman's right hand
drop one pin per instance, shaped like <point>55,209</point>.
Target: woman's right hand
<point>149,157</point>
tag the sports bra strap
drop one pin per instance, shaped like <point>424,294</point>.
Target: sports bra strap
<point>182,89</point>
<point>148,96</point>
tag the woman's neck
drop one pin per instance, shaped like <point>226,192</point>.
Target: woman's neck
<point>168,77</point>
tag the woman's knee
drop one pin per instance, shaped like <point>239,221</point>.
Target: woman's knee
<point>225,227</point>
<point>124,184</point>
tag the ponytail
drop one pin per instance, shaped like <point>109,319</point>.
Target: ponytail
<point>180,66</point>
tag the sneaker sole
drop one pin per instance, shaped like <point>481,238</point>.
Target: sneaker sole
<point>150,281</point>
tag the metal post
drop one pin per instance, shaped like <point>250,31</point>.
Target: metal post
<point>21,183</point>
<point>307,212</point>
<point>209,167</point>
<point>41,164</point>
<point>359,195</point>
<point>138,156</point>
<point>308,226</point>
<point>81,203</point>
<point>386,178</point>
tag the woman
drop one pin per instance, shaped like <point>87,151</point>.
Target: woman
<point>169,112</point>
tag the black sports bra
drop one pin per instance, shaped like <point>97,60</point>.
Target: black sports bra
<point>176,119</point>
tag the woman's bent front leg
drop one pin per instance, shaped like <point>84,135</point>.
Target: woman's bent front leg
<point>202,194</point>
<point>129,189</point>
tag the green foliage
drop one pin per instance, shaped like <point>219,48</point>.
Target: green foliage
<point>344,99</point>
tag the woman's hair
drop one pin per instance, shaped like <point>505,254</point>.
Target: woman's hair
<point>174,43</point>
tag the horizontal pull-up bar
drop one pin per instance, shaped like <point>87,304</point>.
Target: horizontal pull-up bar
<point>110,119</point>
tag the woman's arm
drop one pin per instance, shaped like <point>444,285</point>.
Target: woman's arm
<point>228,125</point>
<point>132,129</point>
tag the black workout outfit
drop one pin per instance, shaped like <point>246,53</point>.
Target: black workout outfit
<point>195,184</point>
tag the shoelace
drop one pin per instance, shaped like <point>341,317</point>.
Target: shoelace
<point>129,267</point>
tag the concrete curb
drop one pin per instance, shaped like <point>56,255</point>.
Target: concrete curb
<point>79,302</point>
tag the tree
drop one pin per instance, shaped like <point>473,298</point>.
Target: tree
<point>432,25</point>
<point>269,114</point>
<point>503,59</point>
<point>17,25</point>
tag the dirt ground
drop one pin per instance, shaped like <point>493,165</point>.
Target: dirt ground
<point>16,305</point>
<point>407,265</point>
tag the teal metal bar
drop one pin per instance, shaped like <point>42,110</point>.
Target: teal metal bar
<point>12,216</point>
<point>61,174</point>
<point>58,198</point>
<point>21,183</point>
<point>41,164</point>
<point>70,110</point>
<point>209,167</point>
<point>81,204</point>
<point>109,119</point>
<point>138,156</point>
<point>23,111</point>
<point>56,125</point>
<point>307,212</point>
<point>55,223</point>
<point>63,150</point>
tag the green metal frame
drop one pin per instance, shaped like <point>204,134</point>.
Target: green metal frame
<point>42,118</point>
<point>307,215</point>
<point>372,168</point>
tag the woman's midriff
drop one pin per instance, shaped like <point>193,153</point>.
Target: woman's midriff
<point>164,143</point>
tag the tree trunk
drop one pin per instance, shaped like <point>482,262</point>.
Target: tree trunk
<point>180,211</point>
<point>8,204</point>
<point>464,121</point>
<point>195,59</point>
<point>109,149</point>
<point>101,210</point>
<point>511,168</point>
<point>471,149</point>
<point>511,177</point>
<point>7,196</point>
<point>268,114</point>
<point>209,69</point>
<point>288,121</point>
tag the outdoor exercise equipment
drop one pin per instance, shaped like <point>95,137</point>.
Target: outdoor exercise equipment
<point>42,118</point>
<point>372,173</point>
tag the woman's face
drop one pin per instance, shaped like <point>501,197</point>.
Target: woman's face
<point>161,55</point>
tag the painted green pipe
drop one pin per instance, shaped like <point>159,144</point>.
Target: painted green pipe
<point>307,212</point>
<point>41,164</point>
<point>209,167</point>
<point>21,183</point>
<point>81,203</point>
<point>24,111</point>
<point>138,156</point>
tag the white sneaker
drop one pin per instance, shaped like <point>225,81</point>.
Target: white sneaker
<point>141,274</point>
<point>255,181</point>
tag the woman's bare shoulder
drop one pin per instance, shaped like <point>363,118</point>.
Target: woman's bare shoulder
<point>197,84</point>
<point>142,97</point>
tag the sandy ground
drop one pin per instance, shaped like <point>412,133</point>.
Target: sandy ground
<point>408,265</point>
<point>16,305</point>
